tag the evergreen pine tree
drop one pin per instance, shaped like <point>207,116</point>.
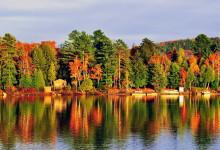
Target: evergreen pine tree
<point>174,76</point>
<point>25,81</point>
<point>52,73</point>
<point>38,80</point>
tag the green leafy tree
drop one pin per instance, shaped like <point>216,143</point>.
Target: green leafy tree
<point>79,44</point>
<point>203,45</point>
<point>181,58</point>
<point>138,72</point>
<point>207,75</point>
<point>52,73</point>
<point>215,83</point>
<point>159,78</point>
<point>39,60</point>
<point>190,78</point>
<point>38,79</point>
<point>148,49</point>
<point>122,63</point>
<point>174,76</point>
<point>50,57</point>
<point>25,81</point>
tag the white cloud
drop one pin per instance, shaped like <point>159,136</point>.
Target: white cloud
<point>131,20</point>
<point>32,5</point>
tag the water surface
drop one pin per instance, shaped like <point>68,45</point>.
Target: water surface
<point>155,123</point>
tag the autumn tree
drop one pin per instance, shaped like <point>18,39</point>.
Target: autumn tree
<point>164,64</point>
<point>96,73</point>
<point>79,44</point>
<point>181,58</point>
<point>75,71</point>
<point>193,65</point>
<point>25,65</point>
<point>183,76</point>
<point>214,62</point>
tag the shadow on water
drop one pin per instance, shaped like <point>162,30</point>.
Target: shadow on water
<point>113,122</point>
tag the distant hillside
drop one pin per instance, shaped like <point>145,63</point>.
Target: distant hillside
<point>188,44</point>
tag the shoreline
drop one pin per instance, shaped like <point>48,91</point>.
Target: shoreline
<point>98,93</point>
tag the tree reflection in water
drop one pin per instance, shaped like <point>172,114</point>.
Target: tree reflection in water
<point>109,122</point>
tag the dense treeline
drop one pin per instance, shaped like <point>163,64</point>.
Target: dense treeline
<point>86,61</point>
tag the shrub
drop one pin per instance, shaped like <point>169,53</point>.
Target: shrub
<point>86,86</point>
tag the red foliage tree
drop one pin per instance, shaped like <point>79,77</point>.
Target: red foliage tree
<point>25,61</point>
<point>183,76</point>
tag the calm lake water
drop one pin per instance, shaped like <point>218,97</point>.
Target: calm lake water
<point>162,123</point>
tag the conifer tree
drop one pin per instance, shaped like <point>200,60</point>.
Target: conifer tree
<point>139,72</point>
<point>159,79</point>
<point>8,54</point>
<point>38,79</point>
<point>174,76</point>
<point>25,81</point>
<point>52,73</point>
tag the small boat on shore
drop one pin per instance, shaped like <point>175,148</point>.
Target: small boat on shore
<point>138,93</point>
<point>152,94</point>
<point>169,92</point>
<point>206,92</point>
<point>4,95</point>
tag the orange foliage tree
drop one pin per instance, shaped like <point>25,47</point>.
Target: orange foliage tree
<point>25,61</point>
<point>96,73</point>
<point>160,59</point>
<point>214,62</point>
<point>193,65</point>
<point>75,71</point>
<point>183,76</point>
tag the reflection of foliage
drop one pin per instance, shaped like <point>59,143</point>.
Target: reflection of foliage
<point>139,114</point>
<point>87,102</point>
<point>7,124</point>
<point>96,121</point>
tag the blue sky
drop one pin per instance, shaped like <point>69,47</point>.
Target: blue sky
<point>130,20</point>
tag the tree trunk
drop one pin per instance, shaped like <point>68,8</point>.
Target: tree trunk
<point>84,74</point>
<point>119,71</point>
<point>76,86</point>
<point>218,74</point>
<point>208,85</point>
<point>190,88</point>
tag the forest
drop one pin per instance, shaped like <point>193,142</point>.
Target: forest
<point>95,62</point>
